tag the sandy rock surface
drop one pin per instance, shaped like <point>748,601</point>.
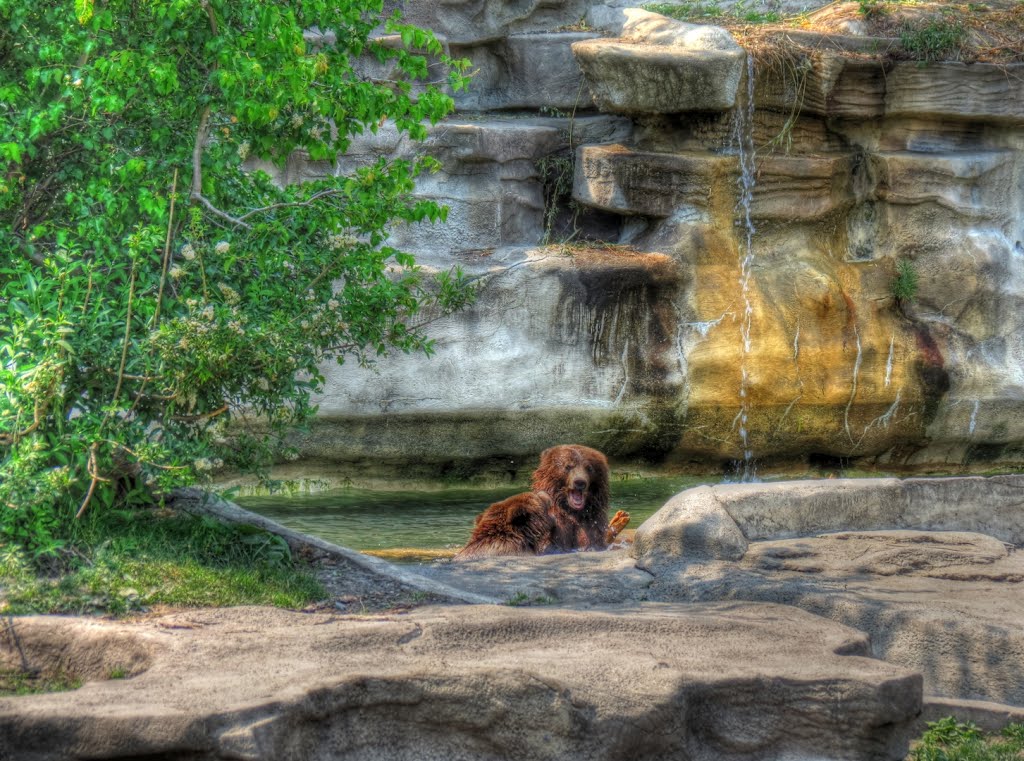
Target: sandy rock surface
<point>706,681</point>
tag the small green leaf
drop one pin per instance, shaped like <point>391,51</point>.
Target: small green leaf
<point>83,11</point>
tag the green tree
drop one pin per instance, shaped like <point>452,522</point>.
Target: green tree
<point>153,286</point>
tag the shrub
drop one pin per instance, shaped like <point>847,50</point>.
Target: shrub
<point>154,284</point>
<point>950,740</point>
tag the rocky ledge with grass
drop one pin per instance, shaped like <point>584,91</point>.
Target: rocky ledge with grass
<point>710,638</point>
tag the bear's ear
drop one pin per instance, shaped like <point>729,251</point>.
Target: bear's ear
<point>547,456</point>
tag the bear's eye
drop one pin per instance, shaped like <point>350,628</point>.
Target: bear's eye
<point>590,468</point>
<point>568,467</point>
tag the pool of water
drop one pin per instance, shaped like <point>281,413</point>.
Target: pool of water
<point>431,520</point>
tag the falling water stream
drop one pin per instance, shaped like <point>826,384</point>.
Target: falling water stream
<point>743,134</point>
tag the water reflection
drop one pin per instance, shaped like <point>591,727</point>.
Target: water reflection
<point>382,520</point>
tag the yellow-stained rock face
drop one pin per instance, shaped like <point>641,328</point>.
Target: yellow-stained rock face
<point>817,344</point>
<point>830,368</point>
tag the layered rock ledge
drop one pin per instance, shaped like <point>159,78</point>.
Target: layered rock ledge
<point>596,132</point>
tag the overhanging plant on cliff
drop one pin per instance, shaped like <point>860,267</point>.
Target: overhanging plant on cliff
<point>150,288</point>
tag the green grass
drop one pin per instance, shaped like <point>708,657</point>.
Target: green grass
<point>21,683</point>
<point>119,562</point>
<point>702,10</point>
<point>688,11</point>
<point>522,599</point>
<point>937,40</point>
<point>904,286</point>
<point>949,740</point>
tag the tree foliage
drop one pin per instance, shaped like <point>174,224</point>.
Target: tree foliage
<point>154,284</point>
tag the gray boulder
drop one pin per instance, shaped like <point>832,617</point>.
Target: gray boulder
<point>931,568</point>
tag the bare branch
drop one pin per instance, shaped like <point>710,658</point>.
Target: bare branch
<point>308,202</point>
<point>218,213</point>
<point>7,440</point>
<point>202,134</point>
<point>198,418</point>
<point>167,252</point>
<point>196,195</point>
<point>96,478</point>
<point>127,337</point>
<point>209,12</point>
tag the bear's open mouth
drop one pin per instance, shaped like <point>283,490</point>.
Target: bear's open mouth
<point>577,499</point>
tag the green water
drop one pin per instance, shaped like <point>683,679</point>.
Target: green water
<point>381,520</point>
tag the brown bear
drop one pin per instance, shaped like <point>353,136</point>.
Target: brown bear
<point>566,510</point>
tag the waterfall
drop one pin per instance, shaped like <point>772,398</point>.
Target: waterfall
<point>888,362</point>
<point>743,133</point>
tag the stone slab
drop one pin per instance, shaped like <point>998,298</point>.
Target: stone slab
<point>973,185</point>
<point>658,65</point>
<point>619,179</point>
<point>632,78</point>
<point>802,188</point>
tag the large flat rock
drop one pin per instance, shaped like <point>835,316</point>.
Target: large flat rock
<point>931,569</point>
<point>939,605</point>
<point>785,509</point>
<point>719,681</point>
<point>634,78</point>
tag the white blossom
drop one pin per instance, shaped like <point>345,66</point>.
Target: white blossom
<point>229,293</point>
<point>338,241</point>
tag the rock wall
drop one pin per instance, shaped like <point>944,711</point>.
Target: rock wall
<point>717,285</point>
